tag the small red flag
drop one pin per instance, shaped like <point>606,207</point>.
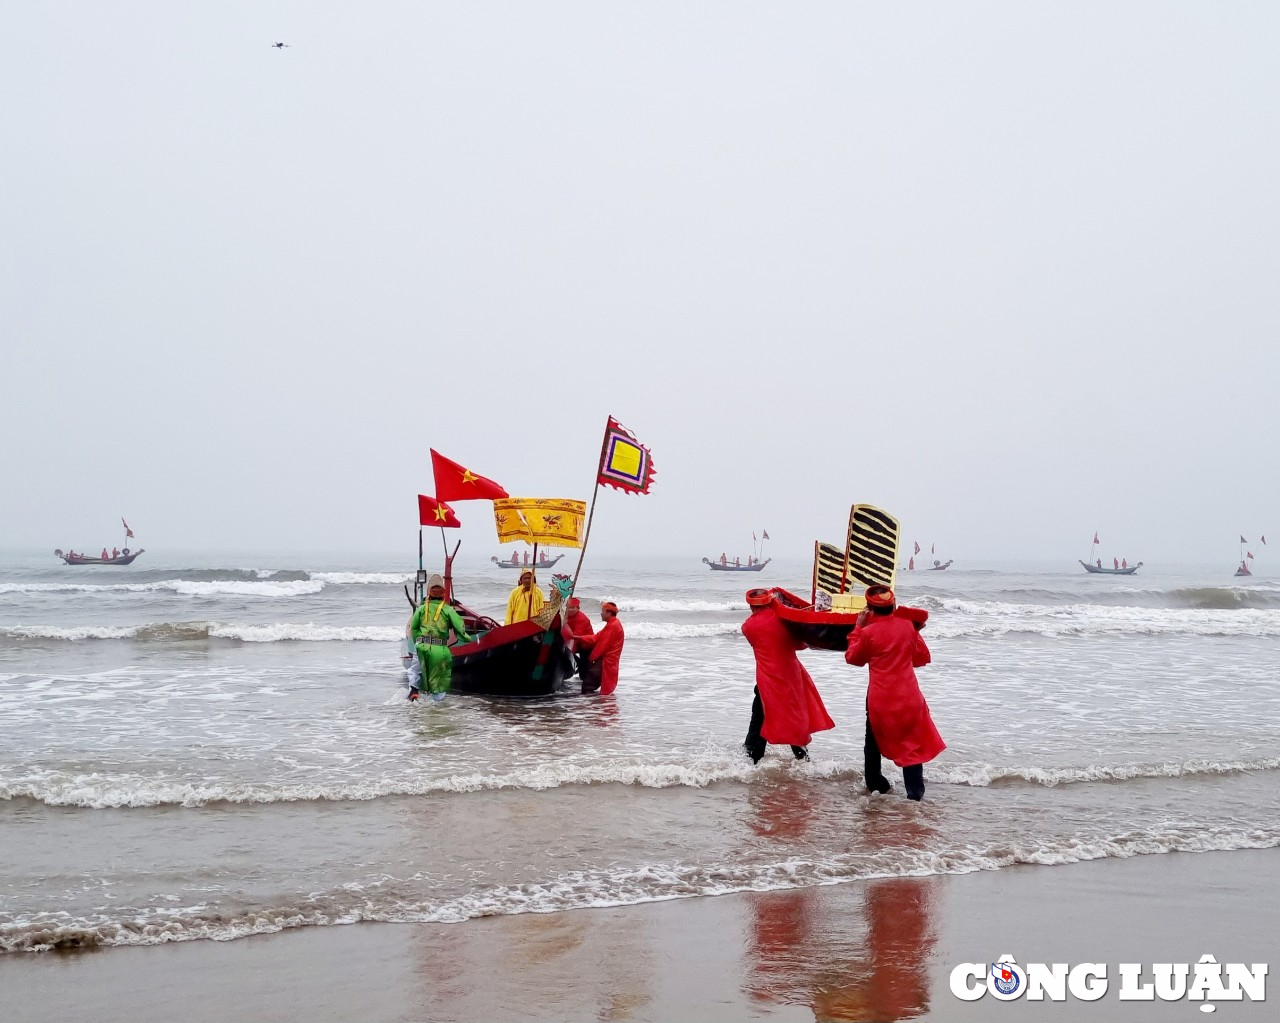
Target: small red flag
<point>127,530</point>
<point>1248,554</point>
<point>1095,538</point>
<point>917,548</point>
<point>765,534</point>
<point>1243,540</point>
<point>1264,541</point>
<point>455,482</point>
<point>435,513</point>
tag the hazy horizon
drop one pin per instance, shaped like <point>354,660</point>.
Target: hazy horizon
<point>1006,271</point>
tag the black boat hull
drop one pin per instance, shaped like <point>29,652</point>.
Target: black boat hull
<point>80,559</point>
<point>1095,570</point>
<point>512,662</point>
<point>550,562</point>
<point>715,566</point>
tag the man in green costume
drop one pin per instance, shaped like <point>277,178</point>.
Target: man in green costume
<point>429,628</point>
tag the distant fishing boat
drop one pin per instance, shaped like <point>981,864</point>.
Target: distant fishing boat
<point>1099,570</point>
<point>1094,565</point>
<point>736,566</point>
<point>754,564</point>
<point>937,566</point>
<point>115,556</point>
<point>515,562</point>
<point>1246,556</point>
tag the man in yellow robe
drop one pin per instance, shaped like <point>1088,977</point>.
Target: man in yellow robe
<point>526,600</point>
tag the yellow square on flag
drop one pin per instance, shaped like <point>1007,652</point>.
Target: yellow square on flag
<point>625,458</point>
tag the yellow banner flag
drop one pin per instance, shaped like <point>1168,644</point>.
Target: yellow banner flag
<point>549,521</point>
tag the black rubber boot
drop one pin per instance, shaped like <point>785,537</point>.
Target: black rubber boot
<point>913,777</point>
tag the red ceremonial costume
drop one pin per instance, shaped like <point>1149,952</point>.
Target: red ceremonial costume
<point>793,710</point>
<point>606,653</point>
<point>899,716</point>
<point>579,624</point>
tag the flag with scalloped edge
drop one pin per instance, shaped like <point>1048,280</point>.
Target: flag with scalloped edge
<point>625,463</point>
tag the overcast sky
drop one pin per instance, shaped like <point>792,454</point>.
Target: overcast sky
<point>1007,270</point>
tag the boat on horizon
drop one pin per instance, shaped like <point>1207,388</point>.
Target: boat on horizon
<point>736,566</point>
<point>1097,569</point>
<point>754,564</point>
<point>118,556</point>
<point>544,562</point>
<point>1118,566</point>
<point>1246,556</point>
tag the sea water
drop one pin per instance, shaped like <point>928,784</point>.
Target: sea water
<point>213,746</point>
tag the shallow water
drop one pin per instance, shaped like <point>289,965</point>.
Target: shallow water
<point>223,750</point>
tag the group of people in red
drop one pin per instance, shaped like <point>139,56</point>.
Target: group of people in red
<point>598,654</point>
<point>1116,563</point>
<point>737,562</point>
<point>787,708</point>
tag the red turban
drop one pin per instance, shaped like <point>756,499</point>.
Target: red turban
<point>574,602</point>
<point>879,596</point>
<point>759,598</point>
<point>609,605</point>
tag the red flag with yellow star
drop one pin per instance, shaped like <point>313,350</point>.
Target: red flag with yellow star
<point>456,482</point>
<point>436,513</point>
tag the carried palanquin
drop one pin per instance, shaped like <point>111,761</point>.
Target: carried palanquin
<point>840,580</point>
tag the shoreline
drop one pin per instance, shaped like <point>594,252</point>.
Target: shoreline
<point>867,950</point>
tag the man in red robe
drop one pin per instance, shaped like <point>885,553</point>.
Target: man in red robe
<point>576,624</point>
<point>604,652</point>
<point>787,709</point>
<point>898,721</point>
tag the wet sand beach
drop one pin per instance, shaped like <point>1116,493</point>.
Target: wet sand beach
<point>880,949</point>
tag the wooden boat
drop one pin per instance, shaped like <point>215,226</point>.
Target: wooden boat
<point>755,566</point>
<point>126,557</point>
<point>1243,570</point>
<point>1096,570</point>
<point>544,563</point>
<point>939,566</point>
<point>524,661</point>
<point>826,630</point>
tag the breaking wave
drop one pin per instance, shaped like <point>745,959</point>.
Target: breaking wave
<point>956,617</point>
<point>182,587</point>
<point>388,899</point>
<point>642,604</point>
<point>100,790</point>
<point>171,631</point>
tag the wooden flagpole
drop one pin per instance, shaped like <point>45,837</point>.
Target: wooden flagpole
<point>592,513</point>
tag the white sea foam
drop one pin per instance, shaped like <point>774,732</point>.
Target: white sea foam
<point>956,618</point>
<point>275,632</point>
<point>101,790</point>
<point>362,578</point>
<point>645,604</point>
<point>307,632</point>
<point>386,899</point>
<point>183,587</point>
<point>672,630</point>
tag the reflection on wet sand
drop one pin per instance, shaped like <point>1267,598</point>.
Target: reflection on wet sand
<point>870,969</point>
<point>576,965</point>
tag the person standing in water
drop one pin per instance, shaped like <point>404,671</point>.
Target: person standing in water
<point>604,653</point>
<point>787,708</point>
<point>899,725</point>
<point>429,628</point>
